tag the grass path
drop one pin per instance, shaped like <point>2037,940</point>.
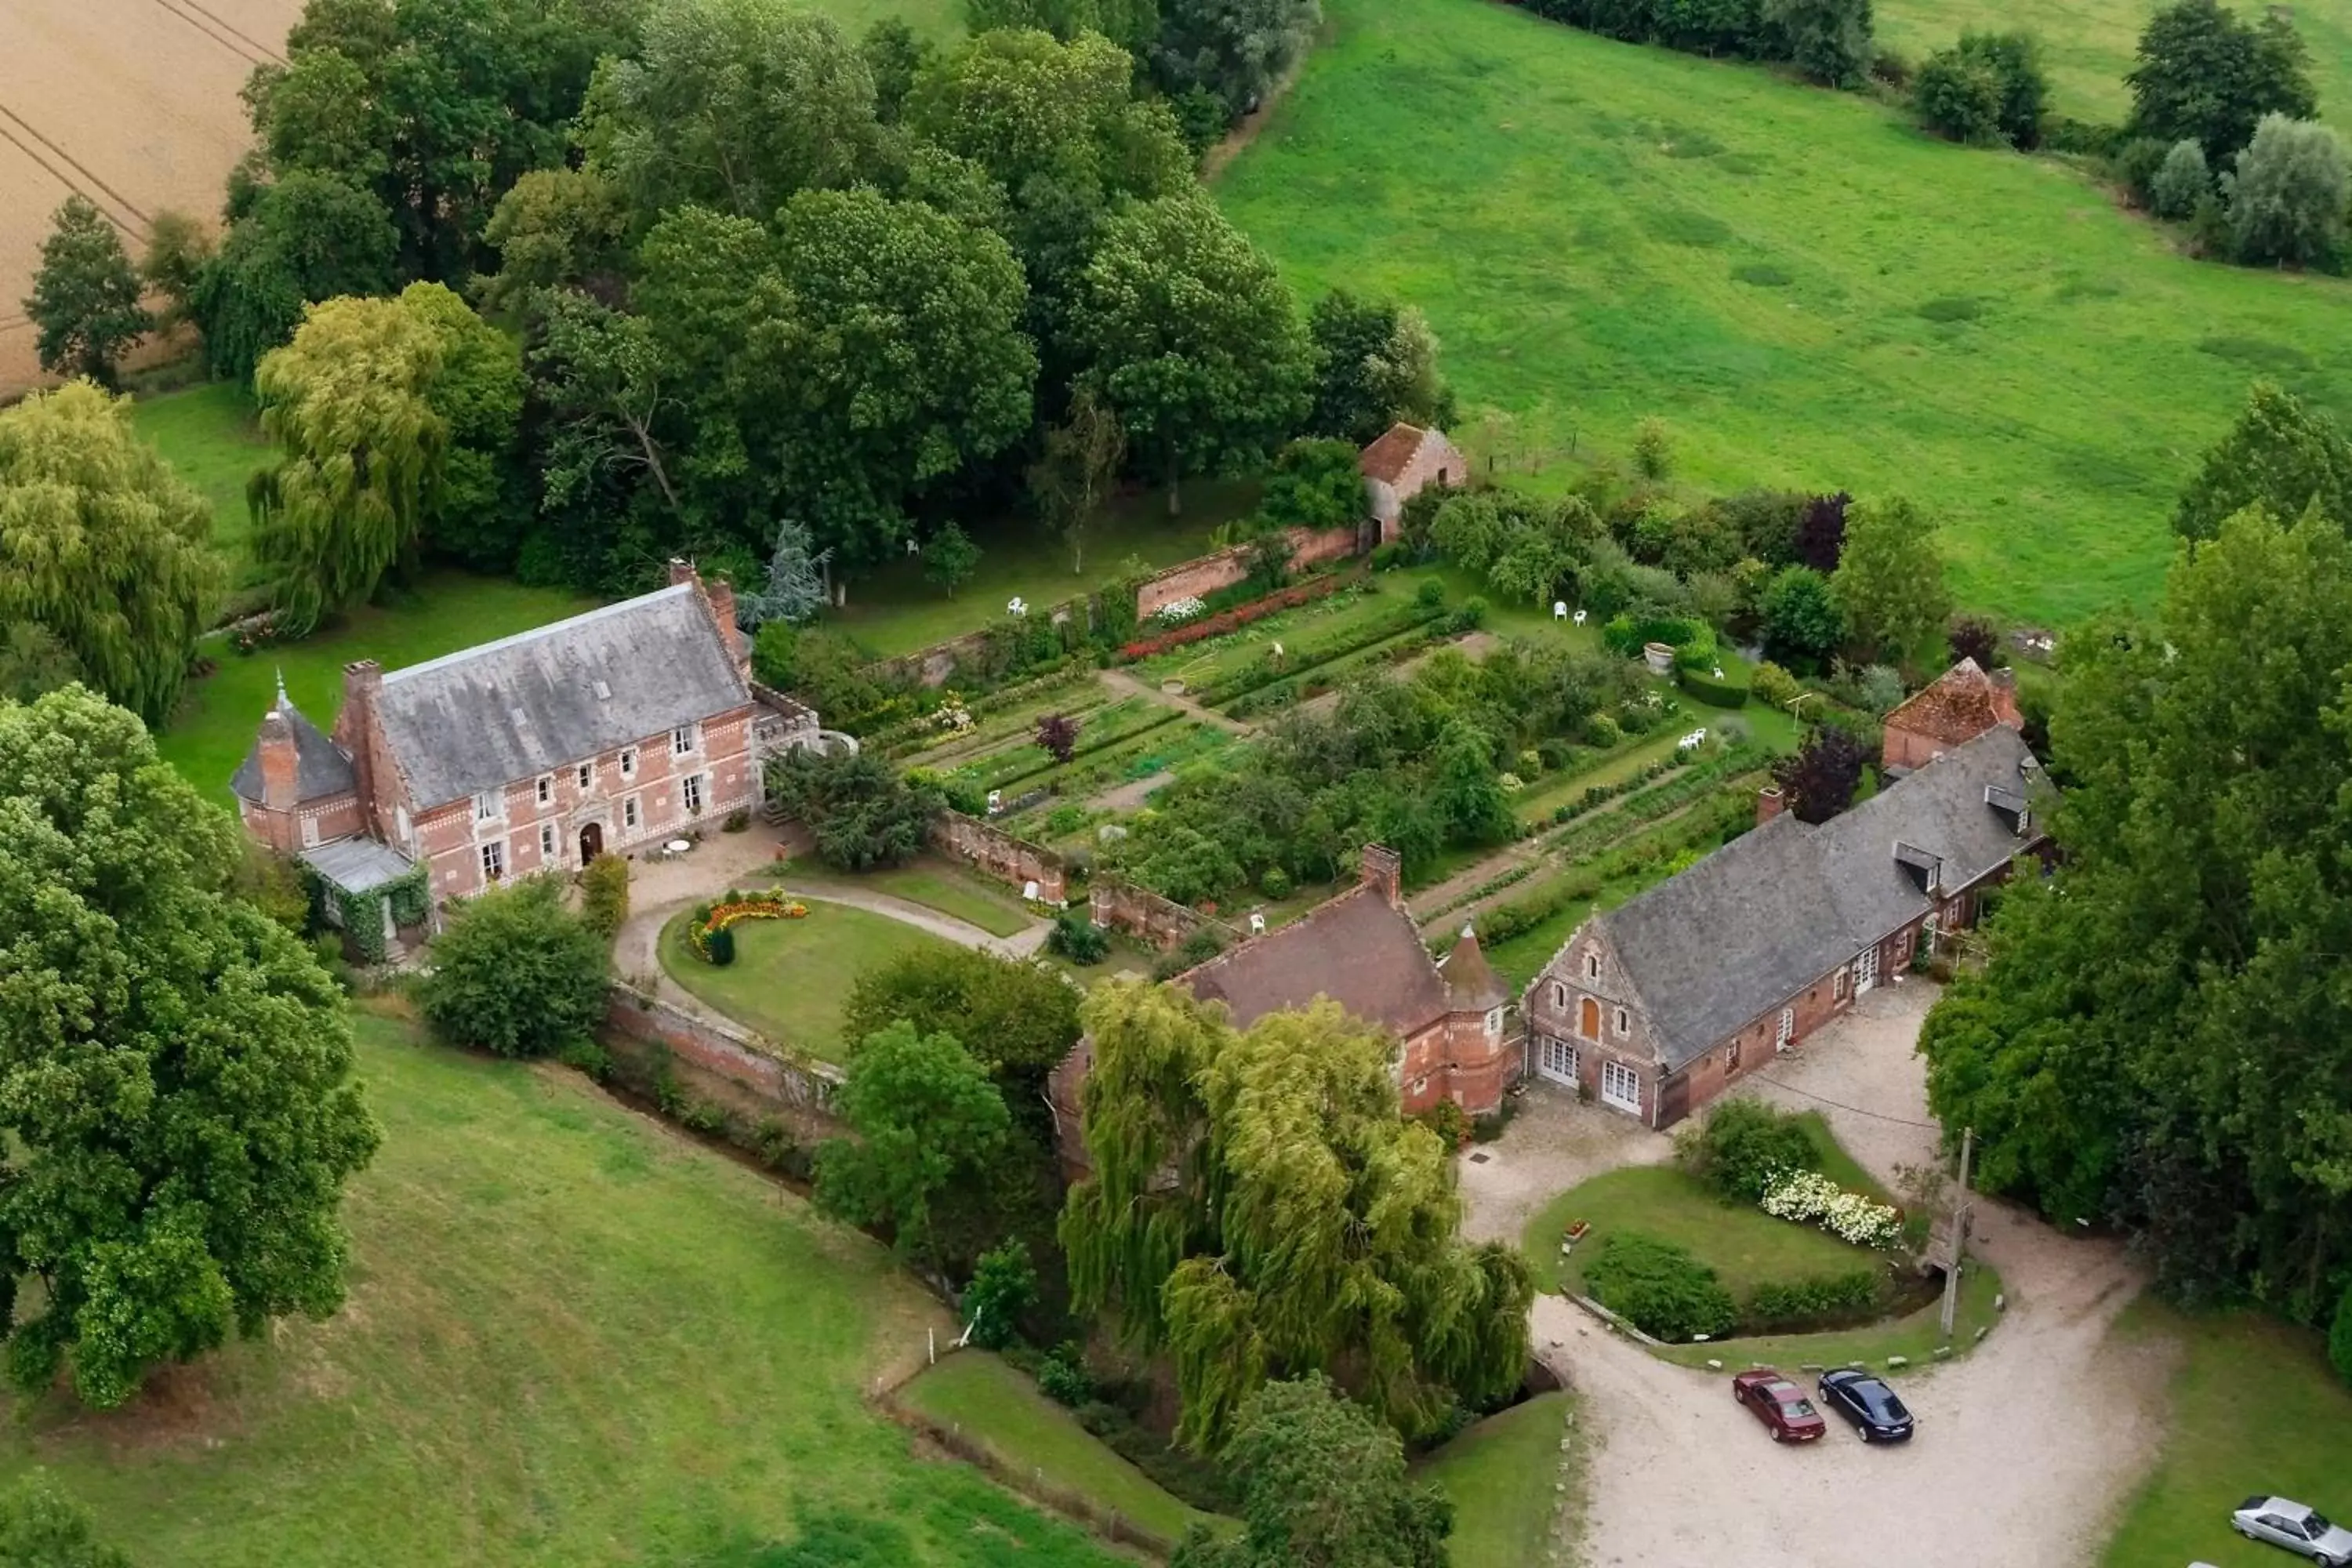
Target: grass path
<point>1812,291</point>
<point>572,1339</point>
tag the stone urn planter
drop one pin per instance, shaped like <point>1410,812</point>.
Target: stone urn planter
<point>1660,657</point>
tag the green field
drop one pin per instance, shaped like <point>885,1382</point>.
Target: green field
<point>935,885</point>
<point>2254,1408</point>
<point>1808,289</point>
<point>1500,1476</point>
<point>209,437</point>
<point>2087,45</point>
<point>572,1338</point>
<point>791,979</point>
<point>449,610</point>
<point>989,1403</point>
<point>1745,1246</point>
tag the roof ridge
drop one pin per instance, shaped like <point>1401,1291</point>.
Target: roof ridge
<point>1223,954</point>
<point>516,639</point>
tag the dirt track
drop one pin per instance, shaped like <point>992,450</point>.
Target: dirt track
<point>2025,1447</point>
<point>132,102</point>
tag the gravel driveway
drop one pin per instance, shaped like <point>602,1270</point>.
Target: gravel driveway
<point>2025,1449</point>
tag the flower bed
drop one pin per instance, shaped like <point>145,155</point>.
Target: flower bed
<point>1809,1197</point>
<point>1240,615</point>
<point>732,910</point>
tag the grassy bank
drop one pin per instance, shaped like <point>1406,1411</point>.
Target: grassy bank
<point>572,1339</point>
<point>1499,1474</point>
<point>1810,290</point>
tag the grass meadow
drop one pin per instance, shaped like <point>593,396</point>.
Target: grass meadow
<point>572,1338</point>
<point>1807,288</point>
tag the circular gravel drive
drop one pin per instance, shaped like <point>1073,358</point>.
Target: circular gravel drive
<point>2025,1448</point>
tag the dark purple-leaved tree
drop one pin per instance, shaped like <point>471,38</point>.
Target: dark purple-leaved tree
<point>1820,777</point>
<point>1821,537</point>
<point>1972,636</point>
<point>1057,734</point>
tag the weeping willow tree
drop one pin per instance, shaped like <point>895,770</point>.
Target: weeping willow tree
<point>106,562</point>
<point>347,402</point>
<point>1259,1209</point>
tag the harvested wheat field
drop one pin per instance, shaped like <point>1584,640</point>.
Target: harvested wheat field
<point>132,102</point>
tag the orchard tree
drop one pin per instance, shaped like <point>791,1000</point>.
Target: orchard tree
<point>85,298</point>
<point>1889,587</point>
<point>1259,1209</point>
<point>1323,1485</point>
<point>302,239</point>
<point>174,1070</point>
<point>102,549</point>
<point>1193,337</point>
<point>2289,196</point>
<point>1819,777</point>
<point>2280,455</point>
<point>2205,74</point>
<point>927,1119</point>
<point>735,105</point>
<point>517,974</point>
<point>1375,365</point>
<point>2158,1040</point>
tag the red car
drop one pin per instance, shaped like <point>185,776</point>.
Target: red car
<point>1780,1404</point>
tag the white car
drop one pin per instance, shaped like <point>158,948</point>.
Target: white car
<point>2299,1528</point>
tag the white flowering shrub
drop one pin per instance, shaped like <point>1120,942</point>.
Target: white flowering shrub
<point>1808,1197</point>
<point>1176,612</point>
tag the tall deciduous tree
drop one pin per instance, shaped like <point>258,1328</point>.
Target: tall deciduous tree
<point>1323,1485</point>
<point>1889,586</point>
<point>1236,49</point>
<point>85,298</point>
<point>555,228</point>
<point>1799,618</point>
<point>1192,338</point>
<point>1828,40</point>
<point>1022,1018</point>
<point>1072,480</point>
<point>2204,73</point>
<point>517,974</point>
<point>304,238</point>
<point>2280,455</point>
<point>1375,363</point>
<point>2289,193</point>
<point>349,403</point>
<point>926,1118</point>
<point>1820,775</point>
<point>1308,1226</point>
<point>476,510</point>
<point>735,105</point>
<point>174,1069</point>
<point>102,548</point>
<point>2159,1038</point>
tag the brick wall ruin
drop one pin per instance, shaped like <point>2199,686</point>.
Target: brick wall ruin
<point>1015,862</point>
<point>715,1062</point>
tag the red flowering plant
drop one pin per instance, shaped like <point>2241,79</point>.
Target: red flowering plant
<point>1239,615</point>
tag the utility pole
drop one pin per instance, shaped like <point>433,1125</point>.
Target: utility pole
<point>1962,1211</point>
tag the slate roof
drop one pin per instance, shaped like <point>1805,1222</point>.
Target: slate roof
<point>321,767</point>
<point>1470,980</point>
<point>531,703</point>
<point>1955,708</point>
<point>1775,910</point>
<point>1357,949</point>
<point>356,864</point>
<point>1387,459</point>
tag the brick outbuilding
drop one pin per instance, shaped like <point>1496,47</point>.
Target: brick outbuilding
<point>1955,709</point>
<point>1405,461</point>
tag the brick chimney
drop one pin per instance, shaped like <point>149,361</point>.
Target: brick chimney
<point>280,786</point>
<point>721,596</point>
<point>1384,867</point>
<point>1767,804</point>
<point>355,726</point>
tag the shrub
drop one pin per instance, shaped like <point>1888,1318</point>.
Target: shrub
<point>1469,618</point>
<point>1957,94</point>
<point>2288,197</point>
<point>1742,1146</point>
<point>1199,947</point>
<point>861,812</point>
<point>604,895</point>
<point>718,947</point>
<point>516,974</point>
<point>1078,939</point>
<point>1448,1121</point>
<point>1004,1286</point>
<point>2180,182</point>
<point>1773,685</point>
<point>1063,1377</point>
<point>1430,595</point>
<point>1818,1301</point>
<point>1659,1288</point>
<point>1275,883</point>
<point>1729,691</point>
<point>1388,557</point>
<point>2339,1338</point>
<point>2136,163</point>
<point>1601,731</point>
<point>1809,1197</point>
<point>737,820</point>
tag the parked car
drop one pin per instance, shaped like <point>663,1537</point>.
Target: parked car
<point>1780,1404</point>
<point>2283,1523</point>
<point>1876,1414</point>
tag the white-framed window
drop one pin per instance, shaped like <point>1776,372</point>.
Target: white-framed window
<point>1625,1023</point>
<point>490,805</point>
<point>628,761</point>
<point>1556,1058</point>
<point>309,832</point>
<point>545,789</point>
<point>1592,966</point>
<point>586,775</point>
<point>683,738</point>
<point>1621,1087</point>
<point>547,841</point>
<point>629,813</point>
<point>1837,988</point>
<point>494,859</point>
<point>1787,1027</point>
<point>693,792</point>
<point>1494,1022</point>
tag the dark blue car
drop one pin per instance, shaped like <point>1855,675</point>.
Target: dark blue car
<point>1876,1414</point>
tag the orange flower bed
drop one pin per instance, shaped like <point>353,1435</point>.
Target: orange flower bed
<point>772,906</point>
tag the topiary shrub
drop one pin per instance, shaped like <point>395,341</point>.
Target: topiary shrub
<point>1274,882</point>
<point>1659,1288</point>
<point>1729,691</point>
<point>1742,1146</point>
<point>1772,684</point>
<point>1603,732</point>
<point>718,947</point>
<point>604,895</point>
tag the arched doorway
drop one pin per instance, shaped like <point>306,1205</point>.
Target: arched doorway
<point>591,842</point>
<point>1588,1019</point>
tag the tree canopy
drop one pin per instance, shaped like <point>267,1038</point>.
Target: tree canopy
<point>2158,1038</point>
<point>1020,1017</point>
<point>2289,193</point>
<point>517,974</point>
<point>1889,587</point>
<point>174,1069</point>
<point>2278,455</point>
<point>102,548</point>
<point>1375,363</point>
<point>85,299</point>
<point>41,1527</point>
<point>1310,1226</point>
<point>2205,73</point>
<point>926,1119</point>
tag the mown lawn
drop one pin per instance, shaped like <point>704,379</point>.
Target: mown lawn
<point>209,435</point>
<point>572,1338</point>
<point>791,979</point>
<point>2087,45</point>
<point>448,611</point>
<point>2254,1408</point>
<point>995,1405</point>
<point>935,885</point>
<point>1745,1246</point>
<point>1499,1475</point>
<point>1808,289</point>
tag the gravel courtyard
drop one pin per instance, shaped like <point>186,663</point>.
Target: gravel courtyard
<point>2025,1449</point>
